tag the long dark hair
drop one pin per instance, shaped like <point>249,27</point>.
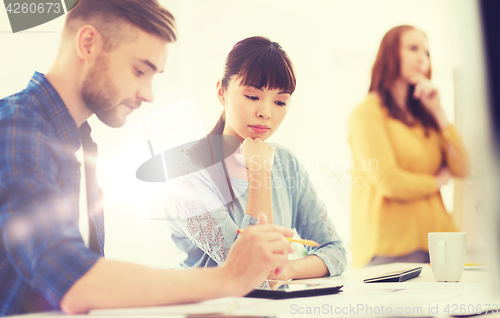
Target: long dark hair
<point>257,62</point>
<point>260,63</point>
<point>387,69</point>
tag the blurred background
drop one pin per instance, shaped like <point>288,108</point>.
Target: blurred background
<point>332,44</point>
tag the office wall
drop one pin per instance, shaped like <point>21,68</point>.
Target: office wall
<point>332,44</point>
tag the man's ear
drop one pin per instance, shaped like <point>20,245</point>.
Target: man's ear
<point>88,42</point>
<point>221,93</point>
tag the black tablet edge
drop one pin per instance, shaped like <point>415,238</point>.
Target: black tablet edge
<point>279,294</point>
<point>383,279</point>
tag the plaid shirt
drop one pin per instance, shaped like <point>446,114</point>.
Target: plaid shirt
<point>41,250</point>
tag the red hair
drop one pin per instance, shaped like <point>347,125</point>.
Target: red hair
<point>387,69</point>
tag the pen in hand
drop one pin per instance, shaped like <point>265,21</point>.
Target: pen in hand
<point>303,242</point>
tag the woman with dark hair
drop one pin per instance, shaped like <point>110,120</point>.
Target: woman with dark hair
<point>404,150</point>
<point>234,187</point>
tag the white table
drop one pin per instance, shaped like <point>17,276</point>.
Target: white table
<point>419,297</point>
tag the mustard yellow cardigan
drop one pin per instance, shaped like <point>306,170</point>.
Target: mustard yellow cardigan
<point>394,198</point>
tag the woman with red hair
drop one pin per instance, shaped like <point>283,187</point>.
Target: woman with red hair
<point>404,150</point>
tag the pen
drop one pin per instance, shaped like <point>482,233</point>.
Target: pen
<point>303,242</point>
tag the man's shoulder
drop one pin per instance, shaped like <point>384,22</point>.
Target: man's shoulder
<point>22,109</point>
<point>26,138</point>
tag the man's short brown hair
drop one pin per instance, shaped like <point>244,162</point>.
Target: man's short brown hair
<point>109,16</point>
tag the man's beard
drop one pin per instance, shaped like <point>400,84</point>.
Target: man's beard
<point>99,94</point>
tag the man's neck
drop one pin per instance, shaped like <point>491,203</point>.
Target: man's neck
<point>67,86</point>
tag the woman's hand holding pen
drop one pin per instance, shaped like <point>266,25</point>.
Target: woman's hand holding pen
<point>283,273</point>
<point>428,95</point>
<point>258,251</point>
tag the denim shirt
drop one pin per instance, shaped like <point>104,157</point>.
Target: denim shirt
<point>42,252</point>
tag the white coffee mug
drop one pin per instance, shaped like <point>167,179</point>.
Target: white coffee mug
<point>447,254</point>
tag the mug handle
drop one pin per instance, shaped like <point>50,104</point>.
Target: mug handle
<point>441,246</point>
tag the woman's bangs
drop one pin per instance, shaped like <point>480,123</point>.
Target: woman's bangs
<point>268,70</point>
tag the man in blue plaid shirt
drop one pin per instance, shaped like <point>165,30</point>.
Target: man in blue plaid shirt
<point>109,53</point>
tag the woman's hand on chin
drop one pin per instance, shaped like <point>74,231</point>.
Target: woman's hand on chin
<point>426,92</point>
<point>428,95</point>
<point>259,156</point>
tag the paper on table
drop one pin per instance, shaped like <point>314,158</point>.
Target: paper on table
<point>292,282</point>
<point>312,281</point>
<point>216,306</point>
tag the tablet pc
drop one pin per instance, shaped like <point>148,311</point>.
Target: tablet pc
<point>395,277</point>
<point>294,291</point>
